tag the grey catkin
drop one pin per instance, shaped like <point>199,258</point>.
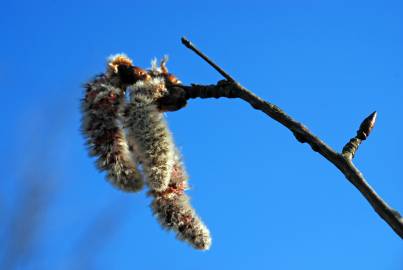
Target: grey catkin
<point>161,160</point>
<point>173,210</point>
<point>101,125</point>
<point>147,127</point>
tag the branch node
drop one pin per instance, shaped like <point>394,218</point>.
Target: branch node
<point>315,148</point>
<point>396,213</point>
<point>299,137</point>
<point>351,147</point>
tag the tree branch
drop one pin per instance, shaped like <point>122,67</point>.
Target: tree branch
<point>230,88</point>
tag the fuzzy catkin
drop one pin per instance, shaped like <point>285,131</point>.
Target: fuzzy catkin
<point>173,210</point>
<point>104,135</point>
<point>179,176</point>
<point>161,160</point>
<point>148,129</point>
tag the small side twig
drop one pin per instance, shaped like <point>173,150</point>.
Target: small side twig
<point>362,134</point>
<point>232,89</point>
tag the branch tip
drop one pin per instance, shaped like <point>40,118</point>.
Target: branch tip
<point>188,44</point>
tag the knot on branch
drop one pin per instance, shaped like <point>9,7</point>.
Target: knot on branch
<point>175,100</point>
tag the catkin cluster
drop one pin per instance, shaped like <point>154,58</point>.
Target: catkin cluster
<point>132,142</point>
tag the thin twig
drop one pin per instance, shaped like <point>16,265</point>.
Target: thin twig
<point>232,89</point>
<point>189,45</point>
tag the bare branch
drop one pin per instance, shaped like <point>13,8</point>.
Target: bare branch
<point>232,89</point>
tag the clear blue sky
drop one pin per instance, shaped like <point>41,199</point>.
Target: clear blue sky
<point>270,202</point>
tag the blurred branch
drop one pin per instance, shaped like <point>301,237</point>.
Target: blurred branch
<point>36,189</point>
<point>25,221</point>
<point>98,234</point>
<point>230,88</point>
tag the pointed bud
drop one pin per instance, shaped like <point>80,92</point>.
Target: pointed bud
<point>366,126</point>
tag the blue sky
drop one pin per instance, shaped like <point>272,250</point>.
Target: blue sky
<point>270,202</point>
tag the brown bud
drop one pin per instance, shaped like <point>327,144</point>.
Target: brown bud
<point>366,126</point>
<point>140,74</point>
<point>119,60</point>
<point>131,74</point>
<point>172,79</point>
